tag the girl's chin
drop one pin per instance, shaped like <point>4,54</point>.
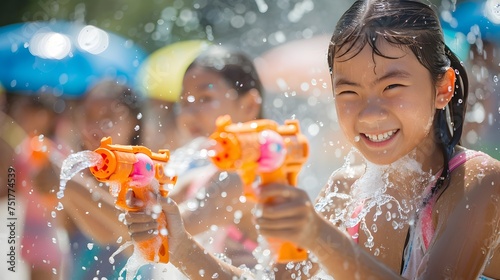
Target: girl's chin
<point>380,158</point>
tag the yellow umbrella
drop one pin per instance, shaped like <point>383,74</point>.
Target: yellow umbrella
<point>161,74</point>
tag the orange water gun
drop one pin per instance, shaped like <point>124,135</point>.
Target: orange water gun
<point>264,150</point>
<point>138,169</point>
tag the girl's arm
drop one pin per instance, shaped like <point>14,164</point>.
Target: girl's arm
<point>217,207</point>
<point>291,216</point>
<point>185,253</point>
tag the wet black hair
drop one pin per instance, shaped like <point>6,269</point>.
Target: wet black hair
<point>235,67</point>
<point>414,25</point>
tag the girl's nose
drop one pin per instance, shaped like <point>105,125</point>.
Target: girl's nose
<point>372,112</point>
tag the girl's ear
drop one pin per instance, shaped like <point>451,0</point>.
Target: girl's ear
<point>445,88</point>
<point>251,103</point>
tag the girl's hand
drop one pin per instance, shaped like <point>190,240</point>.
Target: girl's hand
<point>286,213</point>
<point>142,226</point>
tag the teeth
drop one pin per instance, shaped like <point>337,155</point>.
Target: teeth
<point>380,137</point>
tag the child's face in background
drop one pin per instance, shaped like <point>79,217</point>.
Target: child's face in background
<point>33,118</point>
<point>98,118</point>
<point>206,96</point>
<point>385,106</point>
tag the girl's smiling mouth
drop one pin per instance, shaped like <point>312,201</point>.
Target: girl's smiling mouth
<point>380,137</point>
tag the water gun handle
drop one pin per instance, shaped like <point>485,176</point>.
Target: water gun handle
<point>154,249</point>
<point>285,251</point>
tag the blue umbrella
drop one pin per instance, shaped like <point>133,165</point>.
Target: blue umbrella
<point>475,18</point>
<point>64,58</point>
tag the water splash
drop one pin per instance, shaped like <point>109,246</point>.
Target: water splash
<point>372,193</point>
<point>134,262</point>
<point>75,163</point>
<point>190,156</point>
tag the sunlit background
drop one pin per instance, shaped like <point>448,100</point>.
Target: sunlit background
<point>287,39</point>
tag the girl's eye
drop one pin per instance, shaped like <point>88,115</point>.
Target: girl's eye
<point>346,92</point>
<point>392,86</point>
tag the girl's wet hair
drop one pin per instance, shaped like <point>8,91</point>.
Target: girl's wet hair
<point>414,25</point>
<point>236,68</point>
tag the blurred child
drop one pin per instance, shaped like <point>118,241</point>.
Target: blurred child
<point>93,226</point>
<point>27,129</point>
<point>220,81</point>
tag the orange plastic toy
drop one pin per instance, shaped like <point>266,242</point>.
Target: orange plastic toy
<point>134,168</point>
<point>264,150</point>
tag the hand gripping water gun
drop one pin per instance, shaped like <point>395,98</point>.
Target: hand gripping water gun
<point>134,168</point>
<point>262,149</point>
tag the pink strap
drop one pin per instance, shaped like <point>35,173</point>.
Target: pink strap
<point>426,222</point>
<point>354,230</point>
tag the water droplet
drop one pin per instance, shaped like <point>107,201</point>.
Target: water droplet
<point>90,246</point>
<point>59,206</point>
<point>137,127</point>
<point>223,175</point>
<point>119,240</point>
<point>357,138</point>
<point>53,214</point>
<point>139,116</point>
<point>121,217</point>
<point>201,273</point>
<point>156,209</point>
<point>388,216</point>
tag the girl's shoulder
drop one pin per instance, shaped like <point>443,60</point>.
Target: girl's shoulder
<point>480,164</point>
<point>478,170</point>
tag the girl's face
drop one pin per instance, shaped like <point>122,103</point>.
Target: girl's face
<point>206,96</point>
<point>385,106</point>
<point>101,117</point>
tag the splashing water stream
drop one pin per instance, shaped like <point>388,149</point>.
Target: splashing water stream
<point>75,163</point>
